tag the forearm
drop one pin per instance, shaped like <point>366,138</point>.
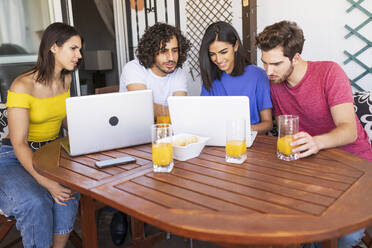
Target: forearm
<point>24,156</point>
<point>342,135</point>
<point>266,123</point>
<point>262,127</point>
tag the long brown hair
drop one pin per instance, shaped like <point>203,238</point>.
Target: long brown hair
<point>56,33</point>
<point>220,31</point>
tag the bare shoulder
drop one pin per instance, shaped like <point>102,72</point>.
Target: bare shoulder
<point>23,84</point>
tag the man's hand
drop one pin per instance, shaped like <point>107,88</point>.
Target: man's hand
<point>305,144</point>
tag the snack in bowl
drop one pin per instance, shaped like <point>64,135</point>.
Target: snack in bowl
<point>184,140</point>
<point>186,146</point>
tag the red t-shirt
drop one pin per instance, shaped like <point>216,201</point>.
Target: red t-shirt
<point>324,85</point>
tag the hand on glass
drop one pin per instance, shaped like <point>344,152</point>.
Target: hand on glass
<point>306,144</point>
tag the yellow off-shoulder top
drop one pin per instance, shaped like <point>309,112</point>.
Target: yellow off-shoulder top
<point>46,114</point>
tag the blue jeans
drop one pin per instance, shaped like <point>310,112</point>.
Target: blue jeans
<point>38,216</point>
<point>348,241</point>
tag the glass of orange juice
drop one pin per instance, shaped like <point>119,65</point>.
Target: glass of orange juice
<point>236,146</point>
<point>163,115</point>
<point>288,126</point>
<point>162,150</point>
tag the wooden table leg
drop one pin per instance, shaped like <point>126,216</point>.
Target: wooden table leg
<point>138,230</point>
<point>332,243</point>
<point>258,246</point>
<point>367,239</point>
<point>88,222</point>
<point>139,239</point>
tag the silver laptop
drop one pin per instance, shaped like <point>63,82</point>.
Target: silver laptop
<point>108,121</point>
<point>207,116</point>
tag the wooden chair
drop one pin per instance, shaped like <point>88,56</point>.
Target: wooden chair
<point>363,107</point>
<point>5,226</point>
<point>6,223</point>
<point>107,89</point>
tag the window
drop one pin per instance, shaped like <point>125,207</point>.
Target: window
<point>21,25</point>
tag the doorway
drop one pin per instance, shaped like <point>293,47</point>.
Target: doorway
<point>94,20</point>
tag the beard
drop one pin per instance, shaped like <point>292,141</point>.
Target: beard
<point>165,69</point>
<point>284,77</point>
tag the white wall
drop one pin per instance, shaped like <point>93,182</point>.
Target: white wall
<point>323,25</point>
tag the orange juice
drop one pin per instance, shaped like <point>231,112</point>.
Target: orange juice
<point>284,146</point>
<point>163,119</point>
<point>162,154</point>
<point>236,148</point>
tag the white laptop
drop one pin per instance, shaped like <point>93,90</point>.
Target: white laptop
<point>207,116</point>
<point>108,121</point>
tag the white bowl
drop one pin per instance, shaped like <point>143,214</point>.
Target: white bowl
<point>192,150</point>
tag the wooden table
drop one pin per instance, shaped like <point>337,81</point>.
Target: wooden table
<point>264,201</point>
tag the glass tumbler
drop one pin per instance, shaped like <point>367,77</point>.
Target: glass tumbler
<point>236,145</point>
<point>288,126</point>
<point>162,150</point>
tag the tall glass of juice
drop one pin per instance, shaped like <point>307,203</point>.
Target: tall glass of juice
<point>288,126</point>
<point>163,115</point>
<point>162,150</point>
<point>236,145</point>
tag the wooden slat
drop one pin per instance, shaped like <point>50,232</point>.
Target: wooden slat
<point>157,197</point>
<point>241,190</point>
<point>228,196</point>
<point>261,185</point>
<point>325,191</point>
<point>117,154</point>
<point>137,153</point>
<point>272,172</point>
<point>321,165</point>
<point>135,206</point>
<point>204,200</point>
<point>83,170</point>
<point>73,180</point>
<point>85,160</point>
<point>284,169</point>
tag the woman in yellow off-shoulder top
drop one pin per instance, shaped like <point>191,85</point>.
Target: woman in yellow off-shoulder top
<point>44,209</point>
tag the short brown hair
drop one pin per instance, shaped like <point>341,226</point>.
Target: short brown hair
<point>286,34</point>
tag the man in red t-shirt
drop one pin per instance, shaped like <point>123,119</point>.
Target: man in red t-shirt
<point>318,92</point>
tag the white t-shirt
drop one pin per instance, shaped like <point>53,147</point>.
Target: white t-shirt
<point>162,87</point>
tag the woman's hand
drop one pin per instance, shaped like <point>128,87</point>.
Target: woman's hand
<point>58,192</point>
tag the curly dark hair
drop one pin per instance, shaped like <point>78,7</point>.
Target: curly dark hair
<point>156,36</point>
<point>286,34</point>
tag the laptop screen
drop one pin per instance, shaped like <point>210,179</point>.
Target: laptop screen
<point>207,116</point>
<point>108,121</point>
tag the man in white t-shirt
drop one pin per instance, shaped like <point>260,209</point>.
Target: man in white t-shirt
<point>160,54</point>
